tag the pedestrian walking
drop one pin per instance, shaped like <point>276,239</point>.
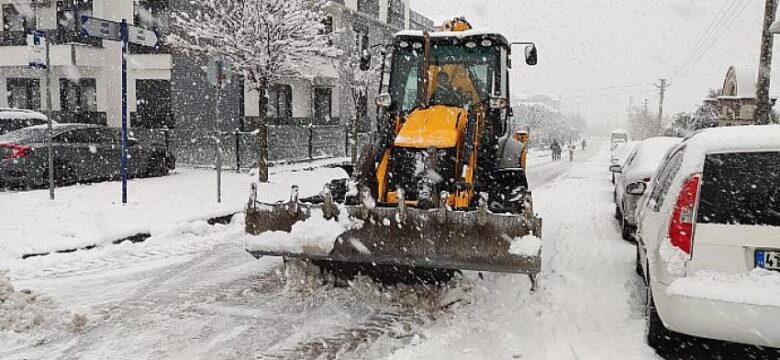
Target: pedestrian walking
<point>572,147</point>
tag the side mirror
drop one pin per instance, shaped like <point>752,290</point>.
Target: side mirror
<point>384,100</point>
<point>531,55</point>
<point>637,188</point>
<point>365,60</point>
<point>132,141</point>
<point>617,169</point>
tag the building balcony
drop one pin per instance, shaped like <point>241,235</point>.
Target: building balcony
<point>87,117</point>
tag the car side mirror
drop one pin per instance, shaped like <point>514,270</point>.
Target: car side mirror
<point>132,141</point>
<point>637,188</point>
<point>617,169</point>
<point>531,55</point>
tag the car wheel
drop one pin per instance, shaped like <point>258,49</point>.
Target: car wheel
<point>626,230</point>
<point>638,268</point>
<point>661,339</point>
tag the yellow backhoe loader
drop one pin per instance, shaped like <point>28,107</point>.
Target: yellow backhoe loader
<point>444,187</point>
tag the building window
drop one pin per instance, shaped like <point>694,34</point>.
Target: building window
<point>16,20</point>
<point>323,102</point>
<point>24,94</point>
<point>327,28</point>
<point>152,15</point>
<point>69,13</point>
<point>361,39</point>
<point>78,96</point>
<point>280,101</point>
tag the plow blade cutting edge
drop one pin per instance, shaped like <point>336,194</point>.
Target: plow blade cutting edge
<point>437,238</point>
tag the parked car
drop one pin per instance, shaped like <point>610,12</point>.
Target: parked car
<point>638,171</point>
<point>82,153</point>
<point>15,119</point>
<point>709,239</point>
<point>620,153</point>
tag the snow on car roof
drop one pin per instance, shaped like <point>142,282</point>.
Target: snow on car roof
<point>650,153</point>
<point>734,138</point>
<point>619,131</point>
<point>8,113</point>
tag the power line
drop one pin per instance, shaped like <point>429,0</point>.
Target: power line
<point>713,41</point>
<point>711,27</point>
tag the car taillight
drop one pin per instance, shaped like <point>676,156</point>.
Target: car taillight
<point>681,225</point>
<point>14,151</point>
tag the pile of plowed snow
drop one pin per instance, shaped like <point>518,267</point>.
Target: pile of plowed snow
<point>304,279</point>
<point>24,311</point>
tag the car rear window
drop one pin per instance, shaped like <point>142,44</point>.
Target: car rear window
<point>33,134</point>
<point>741,189</point>
<point>8,125</point>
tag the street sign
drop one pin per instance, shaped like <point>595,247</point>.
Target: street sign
<point>218,71</point>
<point>141,36</point>
<point>123,32</point>
<point>36,49</point>
<point>100,28</point>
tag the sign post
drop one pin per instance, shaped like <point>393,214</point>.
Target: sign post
<point>123,37</point>
<point>123,32</point>
<point>39,58</point>
<point>218,73</point>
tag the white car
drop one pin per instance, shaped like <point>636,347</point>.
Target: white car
<point>619,154</point>
<point>15,119</point>
<point>709,239</point>
<point>637,172</point>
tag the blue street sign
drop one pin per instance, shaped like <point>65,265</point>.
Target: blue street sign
<point>36,49</point>
<point>141,36</point>
<point>111,30</point>
<point>100,28</point>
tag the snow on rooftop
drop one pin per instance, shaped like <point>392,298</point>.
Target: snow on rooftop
<point>744,76</point>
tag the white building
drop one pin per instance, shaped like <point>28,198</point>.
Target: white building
<point>165,89</point>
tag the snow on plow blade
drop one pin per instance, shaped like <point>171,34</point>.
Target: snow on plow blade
<point>435,238</point>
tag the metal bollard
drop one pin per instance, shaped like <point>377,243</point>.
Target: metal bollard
<point>238,152</point>
<point>219,171</point>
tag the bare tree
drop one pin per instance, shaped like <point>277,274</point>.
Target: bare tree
<point>351,68</point>
<point>266,40</point>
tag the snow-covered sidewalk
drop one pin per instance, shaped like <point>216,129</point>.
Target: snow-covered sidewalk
<point>89,215</point>
<point>589,305</point>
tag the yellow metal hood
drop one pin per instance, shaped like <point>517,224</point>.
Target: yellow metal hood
<point>437,126</point>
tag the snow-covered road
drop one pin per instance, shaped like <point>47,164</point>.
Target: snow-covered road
<point>192,292</point>
<point>589,305</point>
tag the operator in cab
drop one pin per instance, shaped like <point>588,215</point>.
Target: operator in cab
<point>445,92</point>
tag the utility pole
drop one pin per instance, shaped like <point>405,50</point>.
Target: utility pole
<point>662,87</point>
<point>762,115</point>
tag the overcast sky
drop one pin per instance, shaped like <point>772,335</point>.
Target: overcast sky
<point>596,54</point>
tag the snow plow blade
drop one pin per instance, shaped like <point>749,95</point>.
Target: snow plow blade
<point>437,238</point>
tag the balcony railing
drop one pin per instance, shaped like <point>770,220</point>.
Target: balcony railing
<point>67,117</point>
